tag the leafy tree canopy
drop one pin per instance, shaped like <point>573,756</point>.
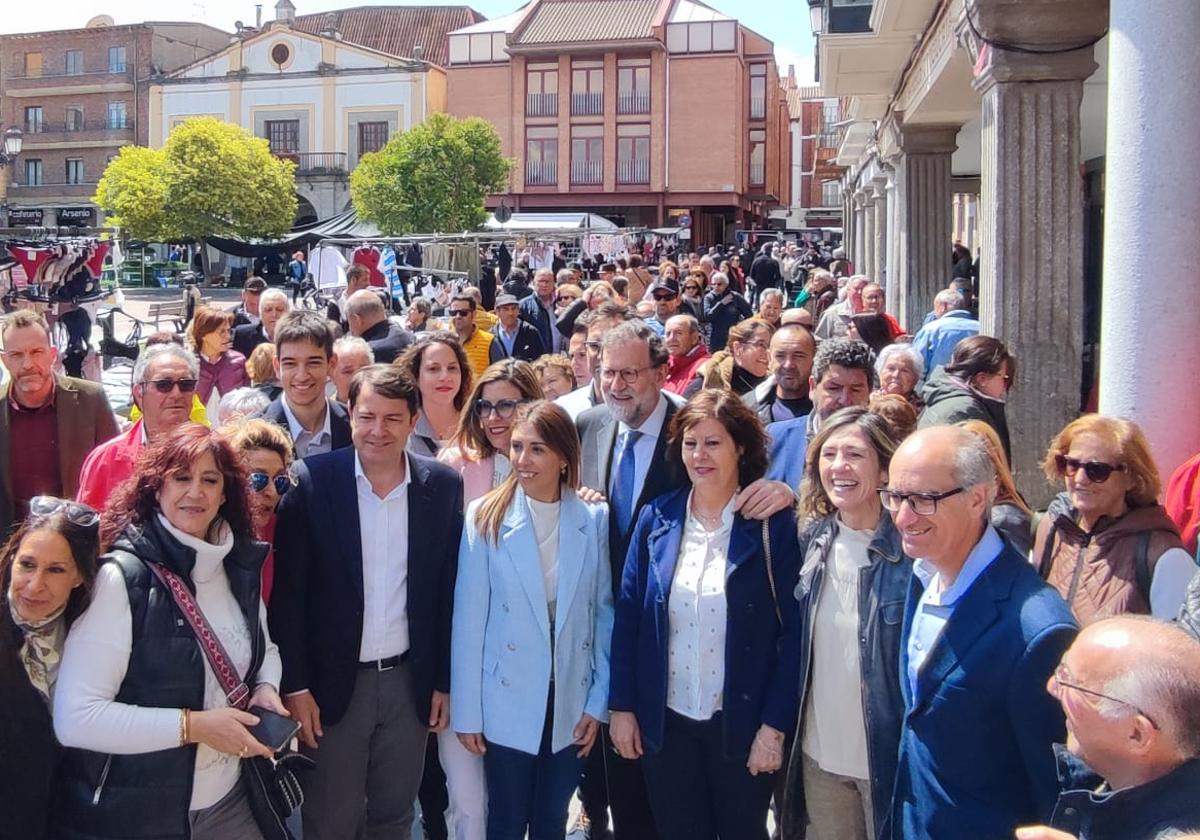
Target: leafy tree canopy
<point>432,178</point>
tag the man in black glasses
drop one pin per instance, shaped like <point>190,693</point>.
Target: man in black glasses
<point>1130,688</point>
<point>164,382</point>
<point>982,634</point>
<point>54,421</point>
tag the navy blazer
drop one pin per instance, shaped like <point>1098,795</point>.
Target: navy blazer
<point>976,749</point>
<point>787,447</point>
<point>316,608</point>
<point>339,421</point>
<point>761,656</point>
<point>527,343</point>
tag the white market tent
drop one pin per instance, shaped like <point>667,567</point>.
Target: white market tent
<point>546,222</point>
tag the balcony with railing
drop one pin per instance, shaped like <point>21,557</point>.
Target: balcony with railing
<point>830,138</point>
<point>587,104</point>
<point>587,172</point>
<point>633,102</point>
<point>19,77</point>
<point>633,171</point>
<point>544,174</point>
<point>57,132</point>
<point>316,163</point>
<point>58,187</point>
<point>541,105</point>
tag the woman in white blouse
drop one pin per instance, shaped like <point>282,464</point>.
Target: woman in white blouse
<point>154,741</point>
<point>705,642</point>
<point>532,626</point>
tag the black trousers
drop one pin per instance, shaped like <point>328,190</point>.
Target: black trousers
<point>433,796</point>
<point>697,792</point>
<point>610,781</point>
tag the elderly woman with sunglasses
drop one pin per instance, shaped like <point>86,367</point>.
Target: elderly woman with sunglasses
<point>47,569</point>
<point>155,718</point>
<point>1105,543</point>
<point>266,451</point>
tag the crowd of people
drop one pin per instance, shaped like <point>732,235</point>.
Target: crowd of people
<point>707,554</point>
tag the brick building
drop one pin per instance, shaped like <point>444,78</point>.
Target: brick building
<point>816,189</point>
<point>79,95</point>
<point>650,112</point>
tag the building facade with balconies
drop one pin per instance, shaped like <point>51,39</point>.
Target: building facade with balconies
<point>79,95</point>
<point>649,112</point>
<point>815,134</point>
<point>322,89</point>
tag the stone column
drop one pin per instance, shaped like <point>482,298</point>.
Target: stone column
<point>1150,342</point>
<point>848,223</point>
<point>923,230</point>
<point>878,268</point>
<point>868,261</point>
<point>860,222</point>
<point>891,251</point>
<point>1031,237</point>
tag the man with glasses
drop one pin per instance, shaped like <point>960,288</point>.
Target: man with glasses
<point>723,307</point>
<point>480,346</point>
<point>48,423</point>
<point>665,293</point>
<point>594,325</point>
<point>1130,688</point>
<point>518,339</point>
<point>982,635</point>
<point>164,382</point>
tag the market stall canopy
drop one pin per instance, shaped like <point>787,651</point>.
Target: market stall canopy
<point>345,225</point>
<point>545,222</point>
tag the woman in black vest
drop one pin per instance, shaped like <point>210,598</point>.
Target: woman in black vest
<point>47,569</point>
<point>154,748</point>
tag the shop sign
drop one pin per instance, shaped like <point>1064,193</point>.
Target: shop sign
<point>24,217</point>
<point>76,216</point>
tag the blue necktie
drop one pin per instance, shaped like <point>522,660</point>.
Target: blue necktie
<point>623,488</point>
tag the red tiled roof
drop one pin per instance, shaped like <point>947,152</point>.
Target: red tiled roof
<point>395,30</point>
<point>575,21</point>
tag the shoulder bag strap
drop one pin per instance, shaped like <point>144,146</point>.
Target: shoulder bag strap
<point>766,538</point>
<point>1141,566</point>
<point>237,693</point>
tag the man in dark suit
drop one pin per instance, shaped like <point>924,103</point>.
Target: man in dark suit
<point>48,423</point>
<point>272,305</point>
<point>518,338</point>
<point>624,455</point>
<point>246,312</point>
<point>368,319</point>
<point>366,553</point>
<point>304,360</point>
<point>982,634</point>
<point>538,308</point>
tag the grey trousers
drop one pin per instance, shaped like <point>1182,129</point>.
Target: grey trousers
<point>369,764</point>
<point>229,818</point>
<point>839,807</point>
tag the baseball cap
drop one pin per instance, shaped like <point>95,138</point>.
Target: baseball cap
<point>665,284</point>
<point>506,300</point>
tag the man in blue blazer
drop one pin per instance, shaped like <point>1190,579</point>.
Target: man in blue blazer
<point>982,634</point>
<point>366,553</point>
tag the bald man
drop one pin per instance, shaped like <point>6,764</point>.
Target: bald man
<point>982,634</point>
<point>367,319</point>
<point>1130,688</point>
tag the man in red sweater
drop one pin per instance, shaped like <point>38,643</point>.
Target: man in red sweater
<point>685,346</point>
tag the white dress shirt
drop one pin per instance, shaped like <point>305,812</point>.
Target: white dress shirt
<point>696,618</point>
<point>306,442</point>
<point>643,449</point>
<point>383,529</point>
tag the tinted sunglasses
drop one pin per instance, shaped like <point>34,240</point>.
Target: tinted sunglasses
<point>664,297</point>
<point>260,480</point>
<point>76,513</point>
<point>1096,471</point>
<point>504,408</point>
<point>166,386</point>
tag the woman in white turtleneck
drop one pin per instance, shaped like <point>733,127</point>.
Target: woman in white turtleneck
<point>155,739</point>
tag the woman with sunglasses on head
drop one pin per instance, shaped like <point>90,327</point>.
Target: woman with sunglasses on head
<point>47,570</point>
<point>973,386</point>
<point>439,366</point>
<point>532,627</point>
<point>155,719</point>
<point>1105,543</point>
<point>266,452</point>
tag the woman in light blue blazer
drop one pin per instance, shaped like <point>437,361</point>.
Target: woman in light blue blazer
<point>533,617</point>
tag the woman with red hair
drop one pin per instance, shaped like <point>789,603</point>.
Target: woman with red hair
<point>158,732</point>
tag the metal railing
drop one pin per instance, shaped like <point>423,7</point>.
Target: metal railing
<point>54,73</point>
<point>830,138</point>
<point>57,182</point>
<point>587,172</point>
<point>587,103</point>
<point>541,105</point>
<point>77,126</point>
<point>315,163</point>
<point>541,174</point>
<point>758,107</point>
<point>758,174</point>
<point>634,102</point>
<point>633,171</point>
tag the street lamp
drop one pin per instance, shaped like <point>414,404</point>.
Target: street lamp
<point>816,15</point>
<point>13,138</point>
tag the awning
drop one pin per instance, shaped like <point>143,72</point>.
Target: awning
<point>552,221</point>
<point>345,225</point>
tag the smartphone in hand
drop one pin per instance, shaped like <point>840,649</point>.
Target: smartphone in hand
<point>273,729</point>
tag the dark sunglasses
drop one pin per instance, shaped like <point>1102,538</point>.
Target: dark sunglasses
<point>76,513</point>
<point>1096,471</point>
<point>166,386</point>
<point>503,408</point>
<point>565,299</point>
<point>259,481</point>
<point>459,313</point>
<point>664,297</point>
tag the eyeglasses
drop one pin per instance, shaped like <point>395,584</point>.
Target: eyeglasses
<point>76,513</point>
<point>922,504</point>
<point>166,386</point>
<point>691,288</point>
<point>565,299</point>
<point>459,313</point>
<point>1062,679</point>
<point>1096,471</point>
<point>629,376</point>
<point>503,409</point>
<point>665,297</point>
<point>757,345</point>
<point>283,482</point>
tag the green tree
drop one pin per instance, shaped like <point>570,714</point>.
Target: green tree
<point>432,178</point>
<point>211,178</point>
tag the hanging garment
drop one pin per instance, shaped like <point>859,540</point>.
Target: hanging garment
<point>327,266</point>
<point>370,258</point>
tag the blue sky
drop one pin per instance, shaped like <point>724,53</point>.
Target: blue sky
<point>785,22</point>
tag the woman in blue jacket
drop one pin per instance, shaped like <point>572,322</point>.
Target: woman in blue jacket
<point>705,642</point>
<point>533,619</point>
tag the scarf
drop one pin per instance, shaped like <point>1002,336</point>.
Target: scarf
<point>41,651</point>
